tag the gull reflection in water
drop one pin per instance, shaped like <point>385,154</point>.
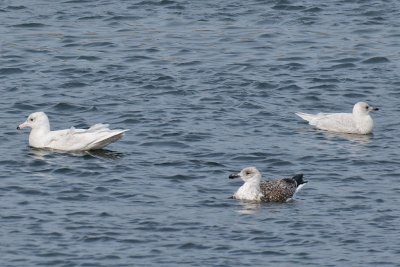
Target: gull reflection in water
<point>249,207</point>
<point>40,153</point>
<point>252,207</point>
<point>357,138</point>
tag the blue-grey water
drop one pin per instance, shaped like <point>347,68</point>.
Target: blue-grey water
<point>206,88</point>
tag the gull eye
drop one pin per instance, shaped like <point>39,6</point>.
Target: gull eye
<point>366,107</point>
<point>31,119</point>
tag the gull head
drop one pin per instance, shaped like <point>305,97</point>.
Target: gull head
<point>362,108</point>
<point>249,174</point>
<point>35,120</point>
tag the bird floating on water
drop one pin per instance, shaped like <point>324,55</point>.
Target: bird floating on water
<point>358,122</point>
<point>96,137</point>
<point>254,189</point>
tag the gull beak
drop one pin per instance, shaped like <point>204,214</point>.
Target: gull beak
<point>22,125</point>
<point>234,175</point>
<point>374,109</point>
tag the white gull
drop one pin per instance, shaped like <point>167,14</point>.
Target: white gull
<point>358,122</point>
<point>254,189</point>
<point>96,137</point>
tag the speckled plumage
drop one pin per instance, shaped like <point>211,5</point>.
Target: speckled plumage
<point>278,191</point>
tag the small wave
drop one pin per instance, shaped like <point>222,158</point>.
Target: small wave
<point>89,58</point>
<point>137,58</point>
<point>16,7</point>
<point>29,25</point>
<point>343,66</point>
<point>67,106</point>
<point>376,60</point>
<point>24,106</point>
<point>191,245</point>
<point>345,60</point>
<point>265,85</point>
<point>313,10</point>
<point>73,84</point>
<point>7,71</point>
<point>190,63</point>
<point>165,144</point>
<point>100,44</point>
<point>288,7</point>
<point>122,18</point>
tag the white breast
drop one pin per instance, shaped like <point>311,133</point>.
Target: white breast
<point>249,191</point>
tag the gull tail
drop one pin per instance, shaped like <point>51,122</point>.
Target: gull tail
<point>114,136</point>
<point>299,181</point>
<point>306,116</point>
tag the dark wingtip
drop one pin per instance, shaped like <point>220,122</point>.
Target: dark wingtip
<point>18,128</point>
<point>298,176</point>
<point>299,179</point>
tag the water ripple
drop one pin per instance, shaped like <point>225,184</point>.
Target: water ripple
<point>206,88</point>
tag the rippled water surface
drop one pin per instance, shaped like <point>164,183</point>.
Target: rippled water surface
<point>206,88</point>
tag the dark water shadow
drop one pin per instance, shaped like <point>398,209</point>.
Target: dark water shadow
<point>40,153</point>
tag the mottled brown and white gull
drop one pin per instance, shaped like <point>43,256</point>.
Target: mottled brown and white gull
<point>254,189</point>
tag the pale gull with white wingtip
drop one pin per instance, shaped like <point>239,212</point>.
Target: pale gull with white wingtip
<point>358,122</point>
<point>96,137</point>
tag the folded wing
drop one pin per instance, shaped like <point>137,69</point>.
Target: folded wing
<point>278,191</point>
<point>336,122</point>
<point>96,137</point>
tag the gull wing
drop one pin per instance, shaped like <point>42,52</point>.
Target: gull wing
<point>278,191</point>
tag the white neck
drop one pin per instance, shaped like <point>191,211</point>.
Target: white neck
<point>249,191</point>
<point>364,123</point>
<point>39,136</point>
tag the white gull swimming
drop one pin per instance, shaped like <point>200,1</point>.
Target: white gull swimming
<point>358,122</point>
<point>96,137</point>
<point>254,189</point>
